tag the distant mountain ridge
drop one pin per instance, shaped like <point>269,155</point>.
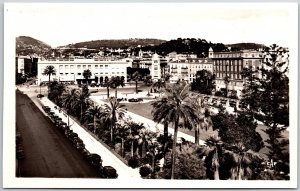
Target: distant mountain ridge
<point>26,45</point>
<point>117,43</point>
<point>244,46</point>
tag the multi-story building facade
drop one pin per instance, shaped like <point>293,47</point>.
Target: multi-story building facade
<point>71,70</point>
<point>186,69</point>
<point>231,64</point>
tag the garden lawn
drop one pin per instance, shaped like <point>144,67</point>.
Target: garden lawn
<point>145,109</point>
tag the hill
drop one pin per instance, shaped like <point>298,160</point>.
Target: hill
<point>244,46</point>
<point>26,45</point>
<point>119,43</point>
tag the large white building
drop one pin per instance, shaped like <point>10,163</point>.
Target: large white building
<point>71,70</point>
<point>186,69</point>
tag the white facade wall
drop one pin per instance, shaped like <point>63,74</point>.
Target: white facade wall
<point>71,70</point>
<point>187,70</point>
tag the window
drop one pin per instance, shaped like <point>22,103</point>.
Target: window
<point>101,66</point>
<point>78,67</point>
<point>84,67</point>
<point>60,67</point>
<point>78,74</point>
<point>66,67</point>
<point>106,66</point>
<point>67,73</point>
<point>96,67</point>
<point>89,67</point>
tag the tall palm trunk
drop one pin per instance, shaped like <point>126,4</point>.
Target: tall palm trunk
<point>197,132</point>
<point>166,133</point>
<point>174,147</point>
<point>95,128</point>
<point>81,108</point>
<point>143,148</point>
<point>49,83</point>
<point>136,89</point>
<point>217,165</point>
<point>116,93</point>
<point>107,91</point>
<point>122,147</point>
<point>131,150</point>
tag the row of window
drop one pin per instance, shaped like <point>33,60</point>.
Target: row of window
<point>95,73</point>
<point>61,67</point>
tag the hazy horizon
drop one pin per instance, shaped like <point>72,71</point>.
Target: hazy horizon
<point>227,23</point>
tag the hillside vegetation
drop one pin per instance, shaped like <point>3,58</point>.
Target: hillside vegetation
<point>26,45</point>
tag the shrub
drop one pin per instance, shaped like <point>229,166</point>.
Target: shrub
<point>145,171</point>
<point>133,162</point>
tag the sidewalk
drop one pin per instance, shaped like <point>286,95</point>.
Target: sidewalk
<point>91,144</point>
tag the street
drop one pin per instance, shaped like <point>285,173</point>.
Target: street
<point>47,152</point>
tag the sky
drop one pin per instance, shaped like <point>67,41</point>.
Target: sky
<point>61,24</point>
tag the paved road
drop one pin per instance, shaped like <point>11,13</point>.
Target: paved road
<point>48,152</point>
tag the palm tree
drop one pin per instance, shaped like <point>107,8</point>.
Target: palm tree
<point>242,158</point>
<point>226,81</point>
<point>136,76</point>
<point>133,135</point>
<point>87,74</point>
<point>94,112</point>
<point>56,91</point>
<point>68,99</point>
<point>214,145</point>
<point>49,70</point>
<point>81,100</point>
<point>177,105</point>
<point>116,82</point>
<point>199,103</point>
<point>107,83</point>
<point>159,84</point>
<point>112,112</point>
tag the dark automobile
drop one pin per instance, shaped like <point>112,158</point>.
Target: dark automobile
<point>95,160</point>
<point>40,96</point>
<point>140,99</point>
<point>78,144</point>
<point>119,99</point>
<point>85,153</point>
<point>109,172</point>
<point>72,136</point>
<point>133,100</point>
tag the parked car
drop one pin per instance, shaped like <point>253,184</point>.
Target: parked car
<point>78,144</point>
<point>40,96</point>
<point>72,136</point>
<point>109,172</point>
<point>133,100</point>
<point>119,99</point>
<point>140,99</point>
<point>95,160</point>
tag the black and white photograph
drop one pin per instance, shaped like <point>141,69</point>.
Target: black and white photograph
<point>150,95</point>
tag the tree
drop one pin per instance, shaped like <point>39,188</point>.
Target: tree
<point>115,83</point>
<point>189,165</point>
<point>204,82</point>
<point>133,135</point>
<point>199,104</point>
<point>214,148</point>
<point>49,70</point>
<point>94,112</point>
<point>56,91</point>
<point>268,101</point>
<point>176,106</point>
<point>234,129</point>
<point>68,100</point>
<point>136,77</point>
<point>107,84</point>
<point>87,74</point>
<point>159,84</point>
<point>226,82</point>
<point>242,158</point>
<point>111,114</point>
<point>81,100</point>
